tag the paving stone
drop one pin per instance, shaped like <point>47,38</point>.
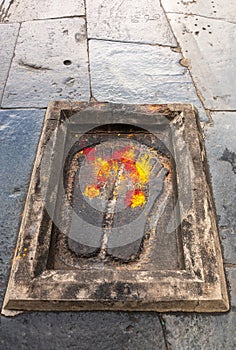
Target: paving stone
<point>202,331</point>
<point>142,21</point>
<point>207,8</point>
<point>210,45</point>
<point>195,332</point>
<point>19,132</point>
<point>50,63</point>
<point>9,31</point>
<point>82,330</point>
<point>133,73</point>
<point>221,153</point>
<point>231,276</point>
<point>20,11</point>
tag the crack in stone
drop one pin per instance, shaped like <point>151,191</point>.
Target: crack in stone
<point>32,66</point>
<point>163,326</point>
<point>202,16</point>
<point>10,65</point>
<point>88,51</point>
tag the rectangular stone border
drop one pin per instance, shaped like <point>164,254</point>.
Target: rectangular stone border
<point>200,287</point>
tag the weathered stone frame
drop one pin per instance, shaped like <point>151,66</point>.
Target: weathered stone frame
<point>199,287</point>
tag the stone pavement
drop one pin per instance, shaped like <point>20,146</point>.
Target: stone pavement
<point>133,51</point>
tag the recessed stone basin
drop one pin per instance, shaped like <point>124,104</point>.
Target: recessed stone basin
<point>119,214</point>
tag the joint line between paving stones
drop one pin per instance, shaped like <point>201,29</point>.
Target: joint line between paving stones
<point>222,110</point>
<point>163,326</point>
<point>198,93</point>
<point>89,67</point>
<point>167,20</point>
<point>202,16</point>
<point>22,108</point>
<point>208,113</point>
<point>48,19</point>
<point>131,42</point>
<point>8,72</point>
<point>195,86</point>
<point>228,265</point>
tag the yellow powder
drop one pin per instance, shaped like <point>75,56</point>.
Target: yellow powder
<point>138,200</point>
<point>92,191</point>
<point>143,168</point>
<point>101,163</point>
<point>129,154</point>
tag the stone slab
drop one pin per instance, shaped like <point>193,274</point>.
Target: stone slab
<point>198,285</point>
<point>81,330</point>
<point>28,10</point>
<point>194,332</point>
<point>142,21</point>
<point>220,138</point>
<point>210,46</point>
<point>19,132</point>
<point>50,62</point>
<point>8,36</point>
<point>208,332</point>
<point>218,9</point>
<point>132,73</point>
<point>231,278</point>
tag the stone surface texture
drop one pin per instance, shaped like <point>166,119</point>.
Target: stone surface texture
<point>7,50</point>
<point>210,46</point>
<point>91,330</point>
<point>28,10</point>
<point>207,8</point>
<point>211,58</point>
<point>195,332</point>
<point>201,332</point>
<point>50,62</point>
<point>221,151</point>
<point>133,73</point>
<point>19,132</point>
<point>142,21</point>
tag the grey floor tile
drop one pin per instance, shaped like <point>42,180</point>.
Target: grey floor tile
<point>141,21</point>
<point>198,332</point>
<point>83,331</point>
<point>50,62</point>
<point>20,11</point>
<point>231,277</point>
<point>202,331</point>
<point>210,45</point>
<point>8,36</point>
<point>133,73</point>
<point>19,133</point>
<point>221,153</point>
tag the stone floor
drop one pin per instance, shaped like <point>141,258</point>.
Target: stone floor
<point>132,51</point>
